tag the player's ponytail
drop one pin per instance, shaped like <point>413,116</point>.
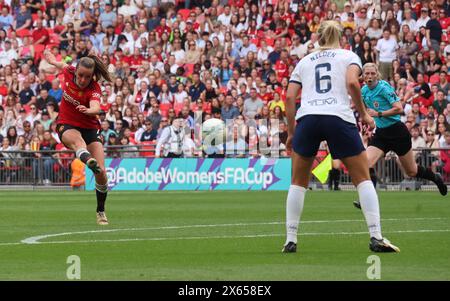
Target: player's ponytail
<point>100,69</point>
<point>330,33</point>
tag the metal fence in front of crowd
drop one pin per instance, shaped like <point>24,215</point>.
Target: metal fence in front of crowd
<point>54,168</point>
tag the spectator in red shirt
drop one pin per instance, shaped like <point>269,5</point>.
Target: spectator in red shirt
<point>443,19</point>
<point>286,16</point>
<point>3,86</point>
<point>3,4</point>
<point>104,104</point>
<point>135,60</point>
<point>282,65</point>
<point>445,156</point>
<point>163,28</point>
<point>119,25</point>
<point>236,3</point>
<point>265,95</point>
<point>40,34</point>
<point>283,89</point>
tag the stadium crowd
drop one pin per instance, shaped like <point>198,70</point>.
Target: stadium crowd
<point>229,59</point>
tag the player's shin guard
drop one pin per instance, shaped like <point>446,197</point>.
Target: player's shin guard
<point>294,208</point>
<point>370,207</point>
<point>83,155</point>
<point>101,191</point>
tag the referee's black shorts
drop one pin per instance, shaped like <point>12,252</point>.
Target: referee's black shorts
<point>394,138</point>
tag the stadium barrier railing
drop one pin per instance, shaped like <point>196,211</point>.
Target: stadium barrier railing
<point>53,168</point>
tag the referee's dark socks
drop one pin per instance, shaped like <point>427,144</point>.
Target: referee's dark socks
<point>337,178</point>
<point>334,177</point>
<point>330,179</point>
<point>83,155</point>
<point>425,173</point>
<point>101,191</point>
<point>373,176</point>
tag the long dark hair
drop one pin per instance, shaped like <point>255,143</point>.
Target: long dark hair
<point>12,139</point>
<point>92,61</point>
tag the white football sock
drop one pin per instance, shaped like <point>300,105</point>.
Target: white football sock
<point>371,209</point>
<point>294,208</point>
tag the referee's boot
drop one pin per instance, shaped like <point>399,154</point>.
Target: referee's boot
<point>93,165</point>
<point>440,184</point>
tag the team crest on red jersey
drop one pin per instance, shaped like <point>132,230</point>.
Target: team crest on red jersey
<point>71,90</point>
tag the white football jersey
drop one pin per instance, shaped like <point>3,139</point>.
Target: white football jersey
<point>322,75</point>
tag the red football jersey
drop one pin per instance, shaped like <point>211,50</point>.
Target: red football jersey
<point>72,97</point>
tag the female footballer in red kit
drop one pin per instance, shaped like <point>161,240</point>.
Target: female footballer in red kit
<point>77,125</point>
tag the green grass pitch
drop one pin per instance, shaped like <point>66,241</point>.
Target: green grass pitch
<point>218,236</point>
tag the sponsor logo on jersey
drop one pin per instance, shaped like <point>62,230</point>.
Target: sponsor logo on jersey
<point>71,89</point>
<point>70,99</point>
<point>323,102</point>
<point>76,92</point>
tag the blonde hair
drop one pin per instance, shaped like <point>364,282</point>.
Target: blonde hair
<point>330,33</point>
<point>368,65</point>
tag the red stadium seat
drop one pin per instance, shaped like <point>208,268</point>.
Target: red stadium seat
<point>23,33</point>
<point>255,41</point>
<point>270,42</point>
<point>149,147</point>
<point>184,13</point>
<point>54,39</point>
<point>38,52</point>
<point>434,79</point>
<point>206,107</point>
<point>164,108</point>
<point>288,41</point>
<point>189,69</point>
<point>223,90</point>
<point>177,107</point>
<point>58,28</point>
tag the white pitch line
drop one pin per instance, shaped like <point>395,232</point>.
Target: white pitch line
<point>234,236</point>
<point>11,243</point>
<point>36,239</point>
